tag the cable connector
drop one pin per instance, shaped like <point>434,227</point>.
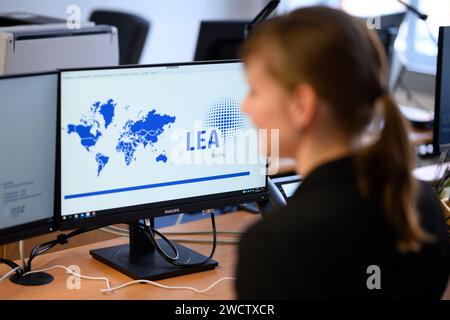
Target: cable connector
<point>62,238</point>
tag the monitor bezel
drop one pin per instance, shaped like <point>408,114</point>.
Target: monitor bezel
<point>152,210</point>
<point>42,226</point>
<point>437,100</point>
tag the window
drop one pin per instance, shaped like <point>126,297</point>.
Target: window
<point>288,5</point>
<point>366,8</point>
<point>421,46</point>
<point>416,42</point>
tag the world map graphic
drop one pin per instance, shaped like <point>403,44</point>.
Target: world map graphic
<point>144,131</point>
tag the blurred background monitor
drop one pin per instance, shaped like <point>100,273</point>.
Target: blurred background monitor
<point>220,40</point>
<point>388,30</point>
<point>442,101</point>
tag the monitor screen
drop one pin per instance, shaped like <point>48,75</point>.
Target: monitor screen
<point>138,138</point>
<point>442,100</point>
<point>27,160</point>
<point>220,40</point>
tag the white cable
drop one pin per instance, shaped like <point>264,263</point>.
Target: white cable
<point>119,229</point>
<point>8,274</point>
<point>201,232</point>
<point>204,241</point>
<point>109,289</point>
<point>179,219</point>
<point>177,239</point>
<point>73,273</point>
<point>124,232</point>
<point>114,232</point>
<point>166,287</point>
<point>22,257</point>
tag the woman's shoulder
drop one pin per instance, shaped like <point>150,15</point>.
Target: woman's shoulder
<point>428,201</point>
<point>427,194</point>
<point>430,209</point>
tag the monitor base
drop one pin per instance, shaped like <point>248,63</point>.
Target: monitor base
<point>150,265</point>
<point>140,260</point>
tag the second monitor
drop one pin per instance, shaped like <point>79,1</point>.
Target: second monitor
<point>28,106</point>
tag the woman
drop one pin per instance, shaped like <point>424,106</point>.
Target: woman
<point>359,226</point>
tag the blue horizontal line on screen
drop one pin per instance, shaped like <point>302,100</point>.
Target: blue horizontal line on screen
<point>157,185</point>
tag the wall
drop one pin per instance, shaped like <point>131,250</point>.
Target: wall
<point>174,23</point>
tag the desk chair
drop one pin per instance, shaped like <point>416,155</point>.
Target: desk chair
<point>132,30</point>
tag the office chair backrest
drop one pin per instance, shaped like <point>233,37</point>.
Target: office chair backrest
<point>132,30</point>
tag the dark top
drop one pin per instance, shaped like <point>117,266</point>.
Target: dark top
<point>322,244</point>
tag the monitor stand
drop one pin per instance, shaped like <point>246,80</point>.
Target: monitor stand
<point>140,260</point>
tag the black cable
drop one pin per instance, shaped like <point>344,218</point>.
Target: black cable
<point>149,232</point>
<point>36,248</point>
<point>262,15</point>
<point>46,246</point>
<point>36,253</point>
<point>170,243</point>
<point>420,15</point>
<point>12,264</point>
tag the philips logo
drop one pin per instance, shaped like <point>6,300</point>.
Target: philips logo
<point>169,211</point>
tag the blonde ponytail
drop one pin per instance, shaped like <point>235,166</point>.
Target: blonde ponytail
<point>385,168</point>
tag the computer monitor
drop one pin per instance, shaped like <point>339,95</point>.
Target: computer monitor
<point>147,141</point>
<point>220,40</point>
<point>28,106</point>
<point>441,138</point>
<point>388,30</point>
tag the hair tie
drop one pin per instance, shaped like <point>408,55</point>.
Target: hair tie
<point>384,92</point>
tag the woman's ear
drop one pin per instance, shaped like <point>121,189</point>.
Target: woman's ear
<point>303,106</point>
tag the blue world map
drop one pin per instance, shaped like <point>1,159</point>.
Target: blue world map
<point>144,131</point>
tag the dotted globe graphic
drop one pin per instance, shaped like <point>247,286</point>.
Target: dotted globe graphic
<point>225,115</point>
